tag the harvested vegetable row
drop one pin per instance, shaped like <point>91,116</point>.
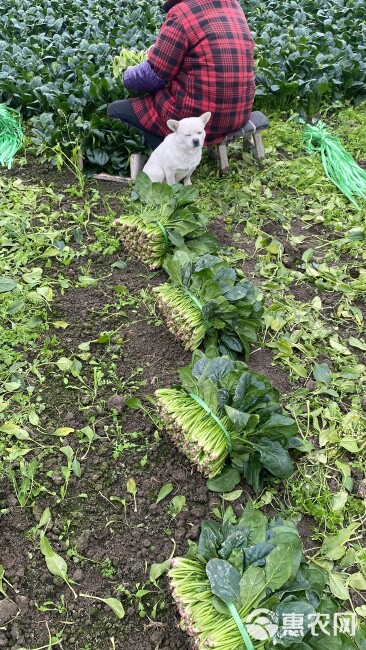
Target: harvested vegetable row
<point>224,412</point>
<point>145,240</point>
<point>182,316</point>
<point>206,296</point>
<point>193,430</point>
<point>248,564</point>
<point>161,218</point>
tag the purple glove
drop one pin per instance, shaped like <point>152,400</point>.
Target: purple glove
<point>141,78</point>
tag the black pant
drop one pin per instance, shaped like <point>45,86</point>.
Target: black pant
<point>122,110</point>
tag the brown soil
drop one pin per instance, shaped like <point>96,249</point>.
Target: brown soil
<point>107,553</point>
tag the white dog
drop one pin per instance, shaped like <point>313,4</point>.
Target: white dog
<point>176,158</point>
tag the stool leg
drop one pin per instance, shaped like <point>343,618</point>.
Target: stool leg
<point>80,159</point>
<point>259,148</point>
<point>137,162</point>
<point>248,143</point>
<point>212,152</point>
<point>223,159</point>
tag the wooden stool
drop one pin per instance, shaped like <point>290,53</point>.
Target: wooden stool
<point>250,133</point>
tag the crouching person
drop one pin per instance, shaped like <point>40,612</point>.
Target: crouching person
<point>202,61</point>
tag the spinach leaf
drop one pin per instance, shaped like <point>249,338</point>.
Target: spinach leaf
<point>210,540</point>
<point>224,580</point>
<point>238,538</point>
<point>278,567</point>
<point>257,554</point>
<point>225,482</point>
<point>274,457</point>
<point>252,586</point>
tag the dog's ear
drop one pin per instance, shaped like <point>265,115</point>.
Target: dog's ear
<point>205,117</point>
<point>173,125</point>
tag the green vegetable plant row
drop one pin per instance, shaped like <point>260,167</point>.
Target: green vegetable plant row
<point>57,70</point>
<point>308,54</point>
<point>229,422</point>
<point>221,410</point>
<point>63,63</point>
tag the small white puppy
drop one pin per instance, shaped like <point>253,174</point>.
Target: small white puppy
<point>176,158</point>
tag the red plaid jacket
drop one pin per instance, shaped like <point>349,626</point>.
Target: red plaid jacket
<point>204,53</point>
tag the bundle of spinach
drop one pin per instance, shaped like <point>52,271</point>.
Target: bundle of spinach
<point>223,411</point>
<point>126,58</point>
<point>206,296</point>
<point>247,586</point>
<point>160,218</point>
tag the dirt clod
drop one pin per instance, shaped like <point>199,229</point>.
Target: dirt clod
<point>8,610</point>
<point>117,402</point>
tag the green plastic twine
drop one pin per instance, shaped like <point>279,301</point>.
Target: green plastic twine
<point>217,420</point>
<point>11,135</point>
<point>240,625</point>
<point>339,166</point>
<point>199,305</point>
<point>164,233</point>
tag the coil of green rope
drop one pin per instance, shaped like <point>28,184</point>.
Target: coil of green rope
<point>339,166</point>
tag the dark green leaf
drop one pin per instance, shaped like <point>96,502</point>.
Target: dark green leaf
<point>274,457</point>
<point>257,554</point>
<point>225,482</point>
<point>210,540</point>
<point>256,522</point>
<point>236,293</point>
<point>279,566</point>
<point>224,580</point>
<point>238,418</point>
<point>303,610</point>
<point>237,539</point>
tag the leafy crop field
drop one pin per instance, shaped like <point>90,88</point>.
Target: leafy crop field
<point>56,65</point>
<point>110,469</point>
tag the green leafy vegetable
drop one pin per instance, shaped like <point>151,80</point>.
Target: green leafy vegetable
<point>55,563</point>
<point>224,580</point>
<point>313,60</point>
<point>216,596</point>
<point>164,491</point>
<point>157,570</point>
<point>125,59</point>
<point>207,296</point>
<point>224,412</point>
<point>132,489</point>
<point>115,604</point>
<point>160,218</point>
<point>176,505</point>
